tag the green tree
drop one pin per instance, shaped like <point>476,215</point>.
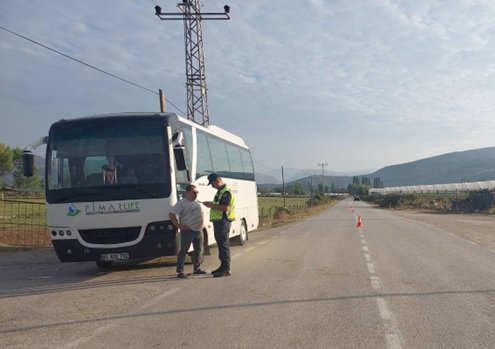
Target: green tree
<point>320,188</point>
<point>298,189</point>
<point>358,189</point>
<point>332,188</point>
<point>365,181</point>
<point>377,182</point>
<point>6,161</point>
<point>355,180</point>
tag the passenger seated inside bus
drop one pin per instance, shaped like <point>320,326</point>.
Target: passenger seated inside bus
<point>109,175</point>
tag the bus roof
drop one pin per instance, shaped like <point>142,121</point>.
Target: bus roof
<point>212,129</point>
<point>216,131</point>
<point>116,115</point>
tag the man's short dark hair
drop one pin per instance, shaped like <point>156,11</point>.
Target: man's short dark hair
<point>190,187</point>
<point>212,178</point>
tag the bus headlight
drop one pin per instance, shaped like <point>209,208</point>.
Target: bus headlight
<point>61,233</point>
<point>160,227</point>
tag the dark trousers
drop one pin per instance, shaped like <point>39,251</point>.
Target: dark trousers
<point>221,229</point>
<point>186,237</point>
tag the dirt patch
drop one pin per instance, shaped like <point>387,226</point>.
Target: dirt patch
<point>34,237</point>
<point>479,228</point>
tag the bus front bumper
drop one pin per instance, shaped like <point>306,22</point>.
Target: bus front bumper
<point>151,246</point>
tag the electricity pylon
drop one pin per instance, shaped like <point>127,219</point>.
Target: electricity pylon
<point>323,164</point>
<point>190,14</point>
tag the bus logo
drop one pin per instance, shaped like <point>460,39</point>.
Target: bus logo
<point>73,211</point>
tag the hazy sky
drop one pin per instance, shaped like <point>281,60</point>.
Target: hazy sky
<point>355,84</point>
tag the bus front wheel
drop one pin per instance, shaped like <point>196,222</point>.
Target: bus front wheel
<point>243,234</point>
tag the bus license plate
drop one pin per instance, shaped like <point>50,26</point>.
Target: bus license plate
<point>114,256</point>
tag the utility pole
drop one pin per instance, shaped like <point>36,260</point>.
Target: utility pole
<point>322,174</point>
<point>311,194</point>
<point>283,185</point>
<point>190,14</point>
<point>162,101</point>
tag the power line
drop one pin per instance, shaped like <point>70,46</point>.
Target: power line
<point>88,65</point>
<point>267,96</point>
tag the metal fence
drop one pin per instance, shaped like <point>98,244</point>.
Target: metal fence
<point>23,219</point>
<point>267,216</point>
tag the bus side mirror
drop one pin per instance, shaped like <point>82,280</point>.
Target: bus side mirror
<point>28,163</point>
<point>179,151</point>
<point>180,157</point>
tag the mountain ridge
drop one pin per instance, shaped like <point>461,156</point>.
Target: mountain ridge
<point>460,166</point>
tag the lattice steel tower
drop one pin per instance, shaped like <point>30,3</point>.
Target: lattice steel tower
<point>190,14</point>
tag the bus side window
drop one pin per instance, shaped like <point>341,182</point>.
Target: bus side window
<point>204,166</point>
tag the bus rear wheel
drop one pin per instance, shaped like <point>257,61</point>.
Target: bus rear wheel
<point>243,234</point>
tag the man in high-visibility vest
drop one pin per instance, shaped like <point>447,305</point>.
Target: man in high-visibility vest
<point>222,214</point>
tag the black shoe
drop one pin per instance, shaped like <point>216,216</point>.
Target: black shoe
<point>199,271</point>
<point>221,273</point>
<point>182,275</point>
<point>216,270</point>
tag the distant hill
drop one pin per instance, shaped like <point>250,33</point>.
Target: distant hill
<point>264,179</point>
<point>292,175</point>
<point>464,166</point>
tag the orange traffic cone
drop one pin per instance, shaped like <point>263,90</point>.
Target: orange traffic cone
<point>359,222</point>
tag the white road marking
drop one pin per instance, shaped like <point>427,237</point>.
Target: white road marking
<point>376,284</point>
<point>382,308</point>
<point>393,341</point>
<point>392,333</point>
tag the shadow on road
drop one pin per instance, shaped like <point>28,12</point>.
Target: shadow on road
<point>242,305</point>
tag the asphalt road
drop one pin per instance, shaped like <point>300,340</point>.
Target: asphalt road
<point>318,283</point>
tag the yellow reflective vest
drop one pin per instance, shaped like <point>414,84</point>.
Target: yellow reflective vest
<point>216,215</point>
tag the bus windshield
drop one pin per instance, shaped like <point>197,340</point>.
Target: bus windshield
<point>107,159</point>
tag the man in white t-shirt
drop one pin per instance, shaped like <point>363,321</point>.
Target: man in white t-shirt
<point>187,217</point>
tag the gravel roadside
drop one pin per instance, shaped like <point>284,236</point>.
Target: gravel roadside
<point>479,228</point>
